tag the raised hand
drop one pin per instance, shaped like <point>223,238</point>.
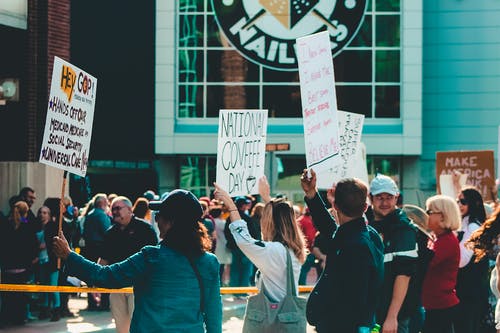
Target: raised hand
<point>264,189</point>
<point>308,183</point>
<point>221,195</point>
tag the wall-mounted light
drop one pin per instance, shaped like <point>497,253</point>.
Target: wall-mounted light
<point>9,90</point>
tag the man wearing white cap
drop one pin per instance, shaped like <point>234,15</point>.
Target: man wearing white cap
<point>399,296</point>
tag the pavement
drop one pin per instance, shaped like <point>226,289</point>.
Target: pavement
<point>92,321</point>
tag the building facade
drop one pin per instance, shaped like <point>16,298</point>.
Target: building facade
<point>423,78</point>
<point>425,73</point>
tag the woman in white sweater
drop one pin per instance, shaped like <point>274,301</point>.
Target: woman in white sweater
<point>280,233</point>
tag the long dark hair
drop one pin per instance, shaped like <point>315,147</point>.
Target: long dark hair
<point>475,204</point>
<point>484,239</point>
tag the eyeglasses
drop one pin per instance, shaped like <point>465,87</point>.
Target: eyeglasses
<point>116,208</point>
<point>462,202</point>
<point>430,212</point>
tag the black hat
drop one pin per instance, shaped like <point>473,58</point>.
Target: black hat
<point>178,205</point>
<point>240,201</point>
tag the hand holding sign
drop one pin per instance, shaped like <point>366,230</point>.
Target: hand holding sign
<point>308,183</point>
<point>221,195</point>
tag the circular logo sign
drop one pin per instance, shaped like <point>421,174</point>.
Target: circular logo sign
<point>264,31</point>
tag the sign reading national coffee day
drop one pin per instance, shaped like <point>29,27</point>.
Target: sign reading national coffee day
<point>68,126</point>
<point>241,150</point>
<point>319,102</point>
<point>350,128</point>
<point>265,31</point>
<point>478,165</point>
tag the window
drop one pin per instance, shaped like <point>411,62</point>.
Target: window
<point>212,75</point>
<point>197,174</point>
<point>386,165</point>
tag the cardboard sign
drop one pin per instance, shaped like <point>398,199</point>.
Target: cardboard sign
<point>241,150</point>
<point>319,102</point>
<point>68,126</point>
<point>351,157</point>
<point>478,165</point>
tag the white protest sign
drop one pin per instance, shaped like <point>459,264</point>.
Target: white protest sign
<point>319,102</point>
<point>350,127</point>
<point>68,126</point>
<point>241,150</point>
<point>448,187</point>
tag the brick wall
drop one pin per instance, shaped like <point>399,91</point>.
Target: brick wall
<point>48,36</point>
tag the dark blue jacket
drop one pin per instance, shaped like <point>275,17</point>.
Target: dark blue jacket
<point>353,275</point>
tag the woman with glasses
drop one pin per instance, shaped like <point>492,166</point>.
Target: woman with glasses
<point>280,234</point>
<point>472,280</point>
<point>438,290</point>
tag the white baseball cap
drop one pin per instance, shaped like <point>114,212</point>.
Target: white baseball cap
<point>383,184</point>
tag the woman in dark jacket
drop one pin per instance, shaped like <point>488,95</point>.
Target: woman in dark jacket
<point>473,275</point>
<point>18,253</point>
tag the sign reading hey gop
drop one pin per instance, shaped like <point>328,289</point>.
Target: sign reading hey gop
<point>68,126</point>
<point>350,128</point>
<point>241,150</point>
<point>319,102</point>
<point>265,31</point>
<point>478,165</point>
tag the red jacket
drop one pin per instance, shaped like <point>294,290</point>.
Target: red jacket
<point>308,229</point>
<point>438,290</point>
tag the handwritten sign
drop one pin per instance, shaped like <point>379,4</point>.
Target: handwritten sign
<point>241,150</point>
<point>319,102</point>
<point>70,113</point>
<point>478,165</point>
<point>350,127</point>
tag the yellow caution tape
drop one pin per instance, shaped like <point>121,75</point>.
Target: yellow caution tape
<point>37,288</point>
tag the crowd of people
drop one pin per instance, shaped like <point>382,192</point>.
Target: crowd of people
<point>379,265</point>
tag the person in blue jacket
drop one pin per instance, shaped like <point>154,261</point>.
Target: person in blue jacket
<point>346,296</point>
<point>176,283</point>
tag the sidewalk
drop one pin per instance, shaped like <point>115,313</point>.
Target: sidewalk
<point>91,321</point>
<point>96,321</point>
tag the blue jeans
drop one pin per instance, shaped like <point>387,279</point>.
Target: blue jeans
<point>51,279</point>
<point>241,270</point>
<point>306,267</point>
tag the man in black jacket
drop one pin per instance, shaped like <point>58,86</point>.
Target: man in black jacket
<point>346,296</point>
<point>127,236</point>
<point>399,294</point>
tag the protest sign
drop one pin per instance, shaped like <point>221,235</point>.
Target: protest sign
<point>241,150</point>
<point>478,165</point>
<point>350,162</point>
<point>319,102</point>
<point>68,126</point>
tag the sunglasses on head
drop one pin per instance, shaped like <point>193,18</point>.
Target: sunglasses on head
<point>462,202</point>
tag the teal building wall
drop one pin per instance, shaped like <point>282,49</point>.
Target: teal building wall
<point>461,79</point>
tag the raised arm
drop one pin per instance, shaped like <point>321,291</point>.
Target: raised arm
<point>264,189</point>
<point>222,195</point>
<point>323,221</point>
<point>119,275</point>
